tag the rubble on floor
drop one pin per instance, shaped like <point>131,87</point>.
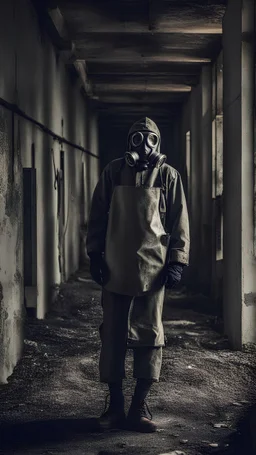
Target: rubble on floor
<point>204,403</point>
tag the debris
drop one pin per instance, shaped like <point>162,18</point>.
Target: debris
<point>235,403</point>
<point>31,343</point>
<point>175,452</point>
<point>214,444</point>
<point>84,280</point>
<point>183,441</point>
<point>220,425</point>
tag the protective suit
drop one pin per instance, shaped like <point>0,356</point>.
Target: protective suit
<point>138,225</point>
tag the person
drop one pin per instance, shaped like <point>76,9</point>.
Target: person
<point>138,244</point>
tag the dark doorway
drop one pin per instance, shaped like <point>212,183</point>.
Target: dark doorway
<point>30,237</point>
<point>61,215</point>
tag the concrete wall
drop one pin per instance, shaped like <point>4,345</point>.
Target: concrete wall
<point>11,258</point>
<point>11,209</point>
<point>33,75</point>
<point>192,114</point>
<point>206,181</point>
<point>239,217</point>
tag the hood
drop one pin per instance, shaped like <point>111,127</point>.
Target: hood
<point>144,124</point>
<point>144,155</point>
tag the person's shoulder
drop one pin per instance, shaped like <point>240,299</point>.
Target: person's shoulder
<point>117,163</point>
<point>114,165</point>
<point>169,171</point>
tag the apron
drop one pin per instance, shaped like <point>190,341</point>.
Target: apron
<point>135,254</point>
<point>136,241</point>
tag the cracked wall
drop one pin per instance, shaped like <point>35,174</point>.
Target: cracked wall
<point>34,76</point>
<point>11,259</point>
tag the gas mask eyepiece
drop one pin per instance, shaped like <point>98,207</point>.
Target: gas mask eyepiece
<point>151,140</point>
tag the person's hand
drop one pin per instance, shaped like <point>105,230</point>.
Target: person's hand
<point>97,268</point>
<point>174,273</point>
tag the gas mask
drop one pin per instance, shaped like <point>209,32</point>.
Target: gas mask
<point>144,150</point>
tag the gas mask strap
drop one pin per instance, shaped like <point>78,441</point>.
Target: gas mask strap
<point>164,195</point>
<point>163,186</point>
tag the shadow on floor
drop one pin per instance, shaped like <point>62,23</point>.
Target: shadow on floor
<point>43,431</point>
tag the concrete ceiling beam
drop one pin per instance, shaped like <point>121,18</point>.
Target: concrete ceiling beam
<point>80,67</point>
<point>59,23</point>
<point>143,16</point>
<point>57,27</point>
<point>132,109</point>
<point>147,48</point>
<point>145,51</point>
<point>146,87</point>
<point>142,68</point>
<point>145,40</point>
<point>134,57</point>
<point>144,79</point>
<point>141,97</point>
<point>54,24</point>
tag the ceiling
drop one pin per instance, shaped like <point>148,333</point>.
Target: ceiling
<point>140,55</point>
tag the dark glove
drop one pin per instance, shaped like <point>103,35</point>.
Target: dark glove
<point>97,268</point>
<point>174,273</point>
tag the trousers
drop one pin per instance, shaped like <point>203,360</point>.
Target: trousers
<point>147,360</point>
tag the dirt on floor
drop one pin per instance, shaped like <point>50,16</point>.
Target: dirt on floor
<point>204,403</point>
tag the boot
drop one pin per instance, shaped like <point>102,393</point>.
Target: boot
<point>113,416</point>
<point>140,418</point>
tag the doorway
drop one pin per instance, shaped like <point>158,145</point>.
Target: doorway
<point>30,237</point>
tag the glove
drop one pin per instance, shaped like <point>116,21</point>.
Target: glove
<point>174,273</point>
<point>97,268</point>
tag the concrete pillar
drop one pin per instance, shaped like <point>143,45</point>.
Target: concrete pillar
<point>217,183</point>
<point>93,146</point>
<point>200,199</point>
<point>206,179</point>
<point>238,167</point>
<point>196,185</point>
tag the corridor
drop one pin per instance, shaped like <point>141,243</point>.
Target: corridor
<point>75,75</point>
<point>202,405</point>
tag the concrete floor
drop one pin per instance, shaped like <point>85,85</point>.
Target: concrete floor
<point>204,403</point>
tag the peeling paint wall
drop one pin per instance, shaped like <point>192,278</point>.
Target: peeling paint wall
<point>11,258</point>
<point>33,75</point>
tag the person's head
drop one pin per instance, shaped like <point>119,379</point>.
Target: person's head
<point>144,141</point>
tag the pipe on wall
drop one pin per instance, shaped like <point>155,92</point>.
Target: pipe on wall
<point>16,110</point>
